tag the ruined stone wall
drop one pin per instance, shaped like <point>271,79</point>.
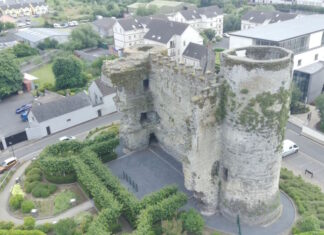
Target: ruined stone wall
<point>225,130</point>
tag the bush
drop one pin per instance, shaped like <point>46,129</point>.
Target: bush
<point>23,50</point>
<point>27,206</point>
<point>308,223</point>
<point>43,190</point>
<point>61,179</point>
<point>65,227</point>
<point>46,228</point>
<point>17,190</point>
<point>29,223</point>
<point>6,225</point>
<point>33,177</point>
<point>21,232</point>
<point>29,186</point>
<point>15,201</point>
<point>106,150</point>
<point>192,222</point>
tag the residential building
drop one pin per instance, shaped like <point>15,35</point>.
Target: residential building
<point>315,3</point>
<point>130,31</point>
<point>33,36</point>
<point>162,6</point>
<point>174,36</point>
<point>18,8</point>
<point>304,36</point>
<point>252,19</point>
<point>101,96</point>
<point>197,55</point>
<point>202,18</point>
<point>104,26</point>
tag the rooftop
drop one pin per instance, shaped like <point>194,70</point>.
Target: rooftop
<point>162,31</point>
<point>158,3</point>
<point>104,88</point>
<point>105,23</point>
<point>271,16</point>
<point>133,23</point>
<point>209,12</point>
<point>195,51</point>
<point>312,68</point>
<point>59,107</point>
<point>285,30</point>
<point>39,34</point>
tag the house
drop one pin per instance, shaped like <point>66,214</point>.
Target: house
<point>19,8</point>
<point>101,96</point>
<point>195,55</point>
<point>304,36</point>
<point>130,31</point>
<point>8,40</point>
<point>174,36</point>
<point>33,36</point>
<point>202,18</point>
<point>104,26</point>
<point>310,80</point>
<point>162,6</point>
<point>252,19</point>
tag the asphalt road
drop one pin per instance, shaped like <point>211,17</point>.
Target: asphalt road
<point>31,148</point>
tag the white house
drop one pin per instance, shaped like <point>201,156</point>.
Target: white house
<point>304,36</point>
<point>252,19</point>
<point>194,55</point>
<point>104,26</point>
<point>174,36</point>
<point>101,96</point>
<point>315,3</point>
<point>202,18</point>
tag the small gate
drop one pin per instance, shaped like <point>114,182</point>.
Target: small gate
<point>16,138</point>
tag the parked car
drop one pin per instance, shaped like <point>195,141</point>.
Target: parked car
<point>66,138</point>
<point>23,108</point>
<point>7,164</point>
<point>289,148</point>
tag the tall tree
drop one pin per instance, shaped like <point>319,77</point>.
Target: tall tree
<point>319,102</point>
<point>10,76</point>
<point>84,37</point>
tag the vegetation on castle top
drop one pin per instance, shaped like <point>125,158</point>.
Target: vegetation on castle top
<point>309,200</point>
<point>221,110</point>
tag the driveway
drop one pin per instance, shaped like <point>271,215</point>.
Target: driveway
<point>152,169</point>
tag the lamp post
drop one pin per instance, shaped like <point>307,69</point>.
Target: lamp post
<point>12,149</point>
<point>238,225</point>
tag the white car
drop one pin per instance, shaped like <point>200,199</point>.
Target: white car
<point>289,148</point>
<point>65,138</point>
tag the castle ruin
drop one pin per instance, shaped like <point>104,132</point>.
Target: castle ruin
<point>226,129</point>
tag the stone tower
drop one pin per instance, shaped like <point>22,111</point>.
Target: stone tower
<point>226,129</point>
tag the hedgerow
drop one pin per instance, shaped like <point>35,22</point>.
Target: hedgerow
<point>21,232</point>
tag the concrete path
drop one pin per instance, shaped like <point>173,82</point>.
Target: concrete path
<point>4,203</point>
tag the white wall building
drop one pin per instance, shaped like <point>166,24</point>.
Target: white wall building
<point>202,18</point>
<point>304,36</point>
<point>174,36</point>
<point>253,19</point>
<point>316,3</point>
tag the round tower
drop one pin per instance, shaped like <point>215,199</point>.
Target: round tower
<point>255,93</point>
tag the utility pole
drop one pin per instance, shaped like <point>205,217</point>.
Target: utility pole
<point>238,225</point>
<point>12,149</point>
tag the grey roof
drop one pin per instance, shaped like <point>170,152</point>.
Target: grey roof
<point>104,88</point>
<point>132,23</point>
<point>15,4</point>
<point>195,51</point>
<point>8,37</point>
<point>59,107</point>
<point>39,34</point>
<point>312,68</point>
<point>209,12</point>
<point>260,17</point>
<point>104,23</point>
<point>162,31</point>
<point>285,30</point>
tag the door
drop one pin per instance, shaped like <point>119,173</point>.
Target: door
<point>48,130</point>
<point>99,113</point>
<point>1,146</point>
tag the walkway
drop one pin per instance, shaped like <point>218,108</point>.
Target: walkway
<point>4,203</point>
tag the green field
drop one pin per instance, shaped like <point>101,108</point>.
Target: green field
<point>45,75</point>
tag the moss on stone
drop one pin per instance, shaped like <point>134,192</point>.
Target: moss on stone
<point>221,110</point>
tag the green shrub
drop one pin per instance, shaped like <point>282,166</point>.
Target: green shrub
<point>65,227</point>
<point>15,201</point>
<point>192,222</point>
<point>21,232</point>
<point>29,223</point>
<point>6,225</point>
<point>61,179</point>
<point>33,177</point>
<point>105,150</point>
<point>29,186</point>
<point>34,170</point>
<point>308,223</point>
<point>43,190</point>
<point>27,206</point>
<point>62,201</point>
<point>46,228</point>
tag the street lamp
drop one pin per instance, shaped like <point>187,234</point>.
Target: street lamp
<point>12,149</point>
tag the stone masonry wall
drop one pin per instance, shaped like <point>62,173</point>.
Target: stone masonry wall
<point>218,127</point>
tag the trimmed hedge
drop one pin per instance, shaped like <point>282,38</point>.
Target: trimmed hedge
<point>21,232</point>
<point>106,149</point>
<point>61,179</point>
<point>15,201</point>
<point>43,190</point>
<point>165,209</point>
<point>27,206</point>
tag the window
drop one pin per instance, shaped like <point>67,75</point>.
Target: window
<point>299,62</point>
<point>146,84</point>
<point>316,57</point>
<point>129,37</point>
<point>172,44</point>
<point>225,174</point>
<point>184,43</point>
<point>143,117</point>
<point>68,120</point>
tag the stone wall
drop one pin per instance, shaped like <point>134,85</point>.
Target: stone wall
<point>225,129</point>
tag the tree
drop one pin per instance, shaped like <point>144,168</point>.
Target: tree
<point>146,11</point>
<point>210,34</point>
<point>84,37</point>
<point>65,227</point>
<point>173,227</point>
<point>68,72</point>
<point>231,23</point>
<point>319,102</point>
<point>10,76</point>
<point>47,44</point>
<point>29,223</point>
<point>23,50</point>
<point>308,223</point>
<point>192,222</point>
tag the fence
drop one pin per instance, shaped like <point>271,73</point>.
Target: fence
<point>130,181</point>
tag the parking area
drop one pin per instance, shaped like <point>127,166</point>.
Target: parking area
<point>151,169</point>
<point>10,121</point>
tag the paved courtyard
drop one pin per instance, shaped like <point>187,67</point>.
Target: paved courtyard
<point>152,169</point>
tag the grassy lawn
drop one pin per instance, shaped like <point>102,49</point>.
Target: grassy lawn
<point>45,75</point>
<point>62,201</point>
